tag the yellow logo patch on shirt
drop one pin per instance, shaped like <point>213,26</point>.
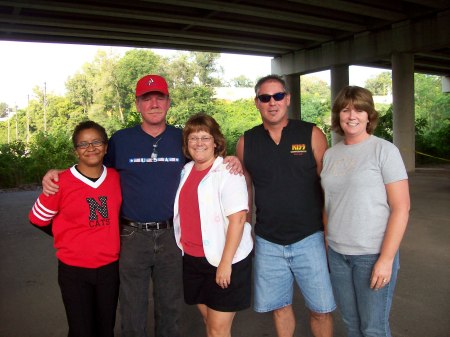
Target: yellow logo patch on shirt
<point>298,149</point>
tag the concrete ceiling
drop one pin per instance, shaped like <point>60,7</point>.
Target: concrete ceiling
<point>253,27</point>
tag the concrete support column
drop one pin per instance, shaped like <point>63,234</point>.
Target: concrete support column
<point>339,79</point>
<point>403,107</point>
<point>446,84</point>
<point>293,84</point>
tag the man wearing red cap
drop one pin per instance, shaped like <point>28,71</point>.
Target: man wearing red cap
<point>149,159</point>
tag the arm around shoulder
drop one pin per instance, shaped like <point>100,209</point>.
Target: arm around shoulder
<point>48,182</point>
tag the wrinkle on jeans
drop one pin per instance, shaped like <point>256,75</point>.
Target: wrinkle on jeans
<point>150,256</point>
<point>365,311</point>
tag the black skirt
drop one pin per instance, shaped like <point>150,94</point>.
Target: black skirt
<point>200,287</point>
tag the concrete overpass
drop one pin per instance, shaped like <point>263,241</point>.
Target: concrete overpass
<point>302,36</point>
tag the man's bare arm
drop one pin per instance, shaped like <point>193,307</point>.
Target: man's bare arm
<point>234,165</point>
<point>319,146</point>
<point>248,178</point>
<point>48,182</point>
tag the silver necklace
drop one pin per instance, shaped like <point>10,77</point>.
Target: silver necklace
<point>155,152</point>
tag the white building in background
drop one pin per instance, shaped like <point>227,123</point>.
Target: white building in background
<point>387,99</point>
<point>233,94</point>
<point>10,113</point>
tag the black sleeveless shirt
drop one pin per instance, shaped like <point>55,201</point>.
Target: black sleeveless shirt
<point>288,195</point>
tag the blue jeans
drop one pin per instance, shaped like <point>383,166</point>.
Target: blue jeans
<point>277,266</point>
<point>150,255</point>
<point>364,311</point>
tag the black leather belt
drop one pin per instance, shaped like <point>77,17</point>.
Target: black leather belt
<point>148,226</point>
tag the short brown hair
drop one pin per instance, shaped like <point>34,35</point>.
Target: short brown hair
<point>275,78</point>
<point>361,99</point>
<point>204,122</point>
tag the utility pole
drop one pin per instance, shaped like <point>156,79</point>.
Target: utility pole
<point>28,119</point>
<point>17,129</point>
<point>9,127</point>
<point>45,107</point>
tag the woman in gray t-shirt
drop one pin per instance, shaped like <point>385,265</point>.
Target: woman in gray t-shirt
<point>367,205</point>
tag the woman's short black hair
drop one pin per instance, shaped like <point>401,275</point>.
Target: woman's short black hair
<point>88,125</point>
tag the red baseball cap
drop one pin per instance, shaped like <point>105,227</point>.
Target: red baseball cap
<point>150,83</point>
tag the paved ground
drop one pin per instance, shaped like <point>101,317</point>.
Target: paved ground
<point>31,306</point>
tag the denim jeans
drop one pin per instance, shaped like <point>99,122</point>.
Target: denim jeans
<point>277,266</point>
<point>149,255</point>
<point>364,311</point>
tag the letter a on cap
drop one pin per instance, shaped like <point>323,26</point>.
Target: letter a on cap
<point>151,83</point>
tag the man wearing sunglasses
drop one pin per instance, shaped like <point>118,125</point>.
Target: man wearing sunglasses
<point>282,158</point>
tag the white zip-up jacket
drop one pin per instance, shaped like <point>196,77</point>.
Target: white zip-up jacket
<point>220,194</point>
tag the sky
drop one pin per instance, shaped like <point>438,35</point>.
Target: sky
<point>24,65</point>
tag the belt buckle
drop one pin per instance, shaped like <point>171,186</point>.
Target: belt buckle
<point>147,226</point>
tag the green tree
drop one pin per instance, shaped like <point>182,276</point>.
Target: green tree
<point>432,120</point>
<point>380,85</point>
<point>235,118</point>
<point>207,68</point>
<point>432,108</point>
<point>105,83</point>
<point>385,128</point>
<point>60,113</point>
<point>13,164</point>
<point>315,102</point>
<point>200,100</point>
<point>3,110</point>
<point>11,129</point>
<point>188,94</point>
<point>48,151</point>
<point>80,91</point>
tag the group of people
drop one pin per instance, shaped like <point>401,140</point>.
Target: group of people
<point>332,220</point>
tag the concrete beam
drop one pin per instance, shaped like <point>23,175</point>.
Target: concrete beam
<point>408,36</point>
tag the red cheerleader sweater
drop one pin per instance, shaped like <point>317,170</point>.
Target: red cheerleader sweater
<point>84,216</point>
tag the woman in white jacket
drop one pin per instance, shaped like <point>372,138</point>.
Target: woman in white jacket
<point>210,228</point>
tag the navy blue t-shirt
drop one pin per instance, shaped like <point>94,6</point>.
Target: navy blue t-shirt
<point>148,185</point>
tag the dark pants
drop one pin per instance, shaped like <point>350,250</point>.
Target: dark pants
<point>149,255</point>
<point>90,298</point>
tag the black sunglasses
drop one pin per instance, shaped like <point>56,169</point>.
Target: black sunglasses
<point>265,98</point>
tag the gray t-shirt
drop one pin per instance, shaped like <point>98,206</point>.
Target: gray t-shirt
<point>354,178</point>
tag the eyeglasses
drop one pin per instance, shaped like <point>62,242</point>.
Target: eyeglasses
<point>203,139</point>
<point>85,145</point>
<point>265,98</point>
